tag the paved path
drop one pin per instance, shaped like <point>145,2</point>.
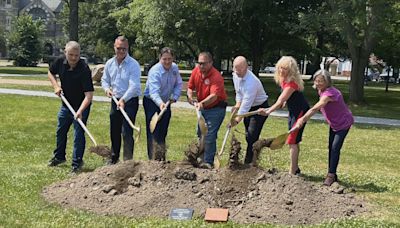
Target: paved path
<point>180,104</point>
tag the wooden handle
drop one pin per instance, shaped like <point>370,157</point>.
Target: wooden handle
<point>126,116</point>
<point>247,114</point>
<point>163,110</point>
<point>224,142</point>
<point>79,120</point>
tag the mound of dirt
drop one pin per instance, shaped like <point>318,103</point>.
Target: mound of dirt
<point>252,195</point>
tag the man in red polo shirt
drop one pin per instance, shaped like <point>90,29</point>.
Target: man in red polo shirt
<point>208,84</point>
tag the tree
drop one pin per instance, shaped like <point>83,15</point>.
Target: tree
<point>388,47</point>
<point>25,41</point>
<point>317,27</point>
<point>3,44</point>
<point>73,18</point>
<point>188,26</point>
<point>265,27</point>
<point>97,29</point>
<point>359,23</point>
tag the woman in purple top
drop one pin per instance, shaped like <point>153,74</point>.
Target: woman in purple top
<point>336,113</point>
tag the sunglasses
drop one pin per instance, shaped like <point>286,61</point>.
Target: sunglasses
<point>121,49</point>
<point>202,63</point>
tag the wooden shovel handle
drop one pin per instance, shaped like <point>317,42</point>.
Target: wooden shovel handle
<point>163,110</point>
<point>126,116</point>
<point>79,120</point>
<point>247,114</point>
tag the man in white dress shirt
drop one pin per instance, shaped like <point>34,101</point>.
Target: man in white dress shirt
<point>250,96</point>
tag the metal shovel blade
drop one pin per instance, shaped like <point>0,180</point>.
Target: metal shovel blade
<point>279,141</point>
<point>202,123</point>
<point>157,116</point>
<point>153,122</point>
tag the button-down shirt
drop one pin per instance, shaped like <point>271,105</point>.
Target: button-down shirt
<point>249,91</point>
<point>163,84</point>
<point>123,78</point>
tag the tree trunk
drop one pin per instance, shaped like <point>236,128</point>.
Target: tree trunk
<point>359,62</point>
<point>73,20</point>
<point>256,45</point>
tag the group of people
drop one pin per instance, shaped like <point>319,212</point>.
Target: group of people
<point>205,90</point>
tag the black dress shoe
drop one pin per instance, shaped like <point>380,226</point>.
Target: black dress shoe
<point>111,162</point>
<point>298,172</point>
<point>55,162</point>
<point>77,169</point>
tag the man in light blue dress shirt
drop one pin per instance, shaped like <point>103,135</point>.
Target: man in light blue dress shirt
<point>250,96</point>
<point>164,83</point>
<point>121,78</point>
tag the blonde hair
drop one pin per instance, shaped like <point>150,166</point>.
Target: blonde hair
<point>289,63</point>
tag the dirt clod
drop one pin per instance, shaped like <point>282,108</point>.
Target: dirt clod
<point>258,146</point>
<point>235,153</point>
<point>103,151</point>
<point>159,151</point>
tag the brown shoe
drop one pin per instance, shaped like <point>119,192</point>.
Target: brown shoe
<point>330,179</point>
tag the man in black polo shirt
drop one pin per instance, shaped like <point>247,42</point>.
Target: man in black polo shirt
<point>77,87</point>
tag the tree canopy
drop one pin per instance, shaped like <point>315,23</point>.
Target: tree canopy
<point>261,30</point>
<point>25,41</point>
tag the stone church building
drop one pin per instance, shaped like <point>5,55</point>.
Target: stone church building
<point>47,10</point>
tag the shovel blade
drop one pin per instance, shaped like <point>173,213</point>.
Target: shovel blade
<point>153,122</point>
<point>202,125</point>
<point>279,141</point>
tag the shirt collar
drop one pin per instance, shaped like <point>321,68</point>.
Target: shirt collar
<point>126,59</point>
<point>65,62</point>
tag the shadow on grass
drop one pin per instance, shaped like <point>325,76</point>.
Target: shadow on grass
<point>368,187</point>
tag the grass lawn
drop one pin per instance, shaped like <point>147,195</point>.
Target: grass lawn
<point>23,70</point>
<point>369,164</point>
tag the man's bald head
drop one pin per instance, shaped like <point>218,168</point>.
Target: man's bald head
<point>240,66</point>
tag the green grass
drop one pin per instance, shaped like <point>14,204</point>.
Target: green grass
<point>369,163</point>
<point>23,70</point>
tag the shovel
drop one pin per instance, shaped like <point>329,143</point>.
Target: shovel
<point>138,129</point>
<point>217,159</point>
<point>203,128</point>
<point>280,140</point>
<point>202,123</point>
<point>77,119</point>
<point>157,116</point>
<point>247,114</point>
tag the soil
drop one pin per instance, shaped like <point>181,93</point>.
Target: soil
<point>252,195</point>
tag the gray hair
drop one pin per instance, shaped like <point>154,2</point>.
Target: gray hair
<point>122,38</point>
<point>72,45</point>
<point>207,54</point>
<point>325,74</point>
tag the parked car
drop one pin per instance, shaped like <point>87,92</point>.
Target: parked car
<point>392,78</point>
<point>147,66</point>
<point>269,69</point>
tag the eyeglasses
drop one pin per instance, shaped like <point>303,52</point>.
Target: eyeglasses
<point>121,49</point>
<point>202,63</point>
